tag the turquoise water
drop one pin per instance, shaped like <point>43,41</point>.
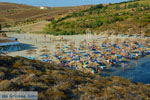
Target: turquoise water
<point>136,71</point>
<point>18,47</point>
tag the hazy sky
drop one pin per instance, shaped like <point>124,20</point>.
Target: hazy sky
<point>53,3</point>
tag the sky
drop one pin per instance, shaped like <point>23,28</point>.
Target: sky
<point>61,3</point>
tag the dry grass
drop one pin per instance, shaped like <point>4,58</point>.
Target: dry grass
<point>58,83</point>
<point>12,13</point>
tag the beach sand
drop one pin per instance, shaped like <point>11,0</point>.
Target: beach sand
<point>42,41</point>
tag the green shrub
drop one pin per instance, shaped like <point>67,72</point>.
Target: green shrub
<point>100,6</point>
<point>114,19</point>
<point>94,24</point>
<point>78,14</point>
<point>117,7</point>
<point>134,5</point>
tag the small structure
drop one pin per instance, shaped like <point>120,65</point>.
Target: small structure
<point>42,7</point>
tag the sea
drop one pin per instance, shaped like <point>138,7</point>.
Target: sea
<point>135,70</point>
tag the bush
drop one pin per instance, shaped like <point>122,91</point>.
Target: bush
<point>94,24</point>
<point>61,19</point>
<point>5,85</point>
<point>117,7</point>
<point>77,14</point>
<point>114,19</point>
<point>60,83</point>
<point>100,6</point>
<point>134,5</point>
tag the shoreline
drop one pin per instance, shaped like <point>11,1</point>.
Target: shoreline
<point>47,47</point>
<point>58,50</point>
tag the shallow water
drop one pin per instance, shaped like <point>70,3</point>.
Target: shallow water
<point>136,71</point>
<point>16,48</point>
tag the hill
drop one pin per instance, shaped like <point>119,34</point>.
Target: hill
<point>16,14</point>
<point>54,82</point>
<point>131,17</point>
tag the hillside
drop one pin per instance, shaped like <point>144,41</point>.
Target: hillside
<point>131,17</point>
<point>16,14</point>
<point>54,82</point>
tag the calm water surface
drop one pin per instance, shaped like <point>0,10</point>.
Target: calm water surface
<point>136,71</point>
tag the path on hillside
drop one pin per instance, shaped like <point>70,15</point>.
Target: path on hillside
<point>30,28</point>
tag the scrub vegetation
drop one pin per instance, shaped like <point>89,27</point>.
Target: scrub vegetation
<point>54,82</point>
<point>16,14</point>
<point>131,17</point>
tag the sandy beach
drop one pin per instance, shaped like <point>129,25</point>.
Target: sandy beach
<point>38,41</point>
<point>88,53</point>
<point>41,41</point>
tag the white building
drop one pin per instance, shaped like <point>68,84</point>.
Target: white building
<point>43,8</point>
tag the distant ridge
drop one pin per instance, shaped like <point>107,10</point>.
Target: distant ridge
<point>12,14</point>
